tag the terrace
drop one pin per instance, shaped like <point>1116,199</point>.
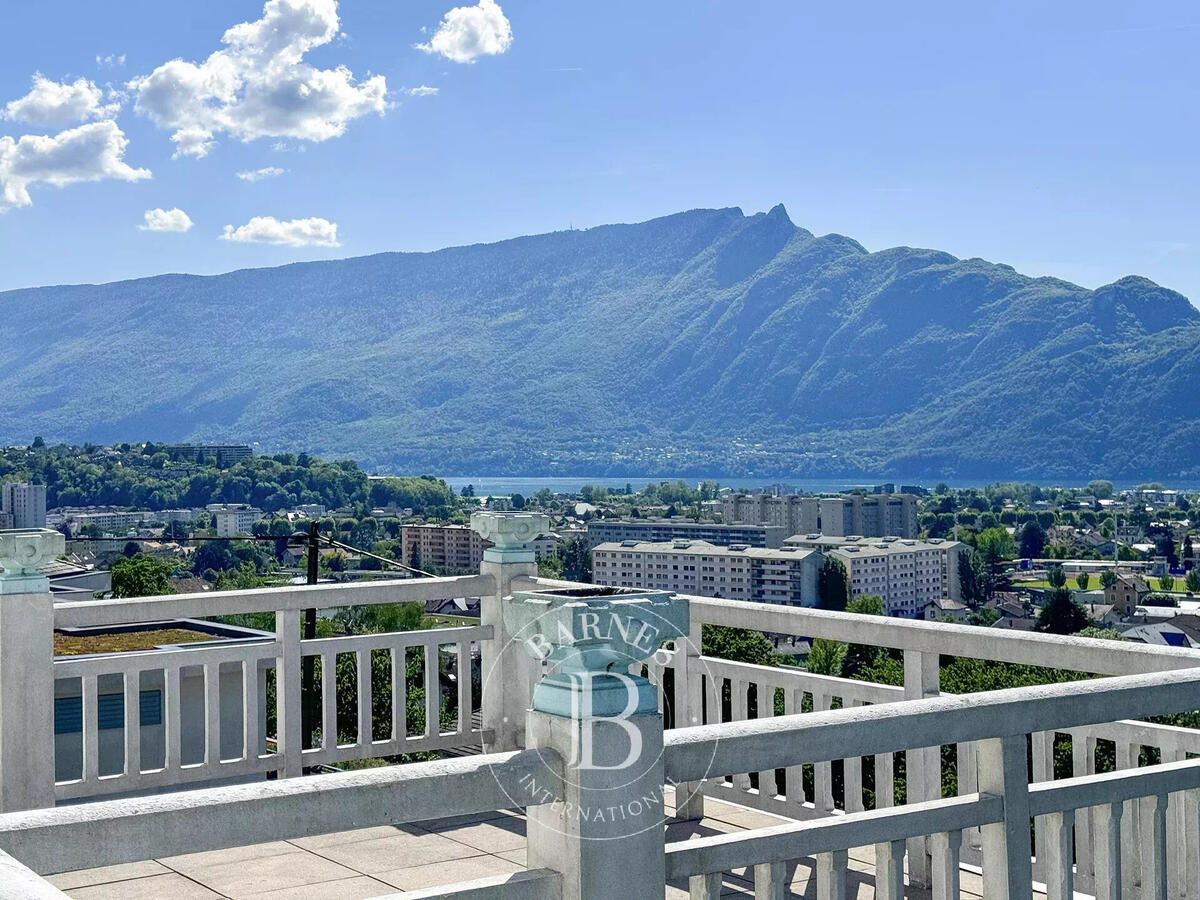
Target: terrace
<point>768,781</point>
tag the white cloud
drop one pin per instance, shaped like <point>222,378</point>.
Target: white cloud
<point>259,85</point>
<point>469,32</point>
<point>422,91</point>
<point>260,174</point>
<point>111,61</point>
<point>92,152</point>
<point>51,104</point>
<point>166,220</point>
<point>311,232</point>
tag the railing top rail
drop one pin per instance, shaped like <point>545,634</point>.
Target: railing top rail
<point>1093,655</point>
<point>759,745</point>
<point>108,832</point>
<point>99,613</point>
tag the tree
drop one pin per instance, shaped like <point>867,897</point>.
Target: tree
<point>1056,577</point>
<point>860,657</point>
<point>1099,489</point>
<point>577,559</point>
<point>973,582</point>
<point>737,644</point>
<point>38,443</point>
<point>1083,579</point>
<point>131,549</point>
<point>1167,582</point>
<point>1193,581</point>
<point>1033,540</point>
<point>833,585</point>
<point>826,657</point>
<point>995,546</point>
<point>1108,578</point>
<point>984,617</point>
<point>1061,615</point>
<point>141,576</point>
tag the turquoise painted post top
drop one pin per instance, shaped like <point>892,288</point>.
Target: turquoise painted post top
<point>593,636</point>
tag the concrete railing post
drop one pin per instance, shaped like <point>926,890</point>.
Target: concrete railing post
<point>606,836</point>
<point>289,700</point>
<point>27,669</point>
<point>508,671</point>
<point>1007,866</point>
<point>923,766</point>
<point>689,710</point>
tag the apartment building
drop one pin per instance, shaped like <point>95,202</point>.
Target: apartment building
<point>235,519</point>
<point>602,531</point>
<point>873,515</point>
<point>221,454</point>
<point>786,575</point>
<point>25,503</point>
<point>907,574</point>
<point>450,549</point>
<point>109,519</point>
<point>796,514</point>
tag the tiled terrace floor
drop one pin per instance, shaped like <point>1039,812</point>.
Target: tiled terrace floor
<point>375,862</point>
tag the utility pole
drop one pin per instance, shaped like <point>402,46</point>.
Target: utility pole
<point>309,691</point>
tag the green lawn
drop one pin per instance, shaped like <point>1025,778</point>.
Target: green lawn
<point>1094,584</point>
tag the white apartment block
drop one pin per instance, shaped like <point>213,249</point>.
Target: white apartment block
<point>26,503</point>
<point>235,520</point>
<point>738,572</point>
<point>906,574</point>
<point>873,515</point>
<point>109,520</point>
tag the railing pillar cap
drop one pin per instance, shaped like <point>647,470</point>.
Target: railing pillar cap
<point>510,534</point>
<point>22,552</point>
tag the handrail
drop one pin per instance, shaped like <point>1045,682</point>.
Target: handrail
<point>794,840</point>
<point>96,613</point>
<point>1093,655</point>
<point>1113,787</point>
<point>108,832</point>
<point>759,745</point>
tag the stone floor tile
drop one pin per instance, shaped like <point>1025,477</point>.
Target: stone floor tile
<point>490,837</point>
<point>435,874</point>
<point>107,874</point>
<point>241,878</point>
<point>360,887</point>
<point>156,887</point>
<point>517,856</point>
<point>233,854</point>
<point>321,841</point>
<point>398,852</point>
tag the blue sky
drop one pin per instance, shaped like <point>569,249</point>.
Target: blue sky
<point>1060,138</point>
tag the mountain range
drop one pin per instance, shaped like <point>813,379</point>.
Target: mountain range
<point>698,343</point>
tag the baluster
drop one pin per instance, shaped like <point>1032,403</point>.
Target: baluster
<point>766,709</point>
<point>822,771</point>
<point>831,875</point>
<point>172,701</point>
<point>289,687</point>
<point>464,688</point>
<point>1154,850</point>
<point>1083,762</point>
<point>433,693</point>
<point>399,694</point>
<point>1177,849</point>
<point>885,789</point>
<point>852,776</point>
<point>1131,844</point>
<point>967,755</point>
<point>1041,750</point>
<point>1106,822</point>
<point>923,770</point>
<point>889,870</point>
<point>366,718</point>
<point>1191,836</point>
<point>329,723</point>
<point>944,849</point>
<point>793,700</point>
<point>91,727</point>
<point>1059,874</point>
<point>251,737</point>
<point>770,881</point>
<point>706,886</point>
<point>133,724</point>
<point>212,715</point>
<point>739,713</point>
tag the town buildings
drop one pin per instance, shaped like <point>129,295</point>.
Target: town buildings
<point>222,454</point>
<point>602,531</point>
<point>25,503</point>
<point>786,575</point>
<point>872,515</point>
<point>907,574</point>
<point>234,519</point>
